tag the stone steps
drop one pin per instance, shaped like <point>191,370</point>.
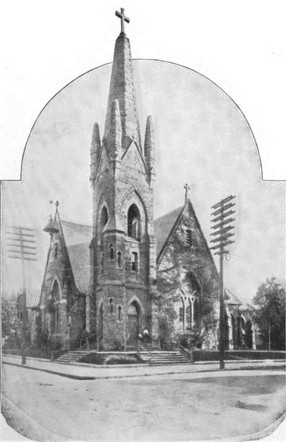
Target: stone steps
<point>157,357</point>
<point>165,357</point>
<point>72,356</point>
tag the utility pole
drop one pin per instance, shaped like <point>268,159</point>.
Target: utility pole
<point>22,246</point>
<point>222,217</point>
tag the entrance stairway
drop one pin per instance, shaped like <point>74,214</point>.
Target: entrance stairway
<point>165,357</point>
<point>148,357</point>
<point>72,356</point>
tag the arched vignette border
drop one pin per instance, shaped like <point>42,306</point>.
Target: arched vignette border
<point>144,59</point>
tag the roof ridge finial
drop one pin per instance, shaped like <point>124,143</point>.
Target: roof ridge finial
<point>187,188</point>
<point>123,18</point>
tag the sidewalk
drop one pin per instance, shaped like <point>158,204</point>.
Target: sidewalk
<point>91,372</point>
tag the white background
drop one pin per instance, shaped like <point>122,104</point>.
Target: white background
<point>240,45</point>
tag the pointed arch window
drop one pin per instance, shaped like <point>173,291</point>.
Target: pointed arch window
<point>189,239</point>
<point>111,251</point>
<point>181,311</point>
<point>111,306</point>
<point>133,222</point>
<point>103,217</point>
<point>134,262</point>
<point>119,259</point>
<point>119,313</point>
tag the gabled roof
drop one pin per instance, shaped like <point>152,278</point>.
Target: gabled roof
<point>76,233</point>
<point>80,261</point>
<point>231,298</point>
<point>77,238</point>
<point>164,225</point>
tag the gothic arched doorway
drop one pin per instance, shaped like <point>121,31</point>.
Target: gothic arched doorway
<point>134,319</point>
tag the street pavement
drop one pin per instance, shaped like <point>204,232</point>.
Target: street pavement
<point>169,403</point>
<point>89,372</point>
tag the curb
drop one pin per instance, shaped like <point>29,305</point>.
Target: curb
<point>27,424</point>
<point>97,378</point>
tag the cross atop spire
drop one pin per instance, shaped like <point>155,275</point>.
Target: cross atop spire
<point>187,188</point>
<point>123,18</point>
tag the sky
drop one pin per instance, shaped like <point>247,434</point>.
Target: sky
<point>202,138</point>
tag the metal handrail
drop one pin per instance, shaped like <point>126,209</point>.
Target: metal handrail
<point>86,342</point>
<point>189,353</point>
<point>54,352</point>
<point>147,351</point>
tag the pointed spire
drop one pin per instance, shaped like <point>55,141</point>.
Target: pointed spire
<point>115,131</point>
<point>122,89</point>
<point>149,145</point>
<point>95,140</point>
<point>94,150</point>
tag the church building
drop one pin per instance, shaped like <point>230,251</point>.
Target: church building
<point>108,279</point>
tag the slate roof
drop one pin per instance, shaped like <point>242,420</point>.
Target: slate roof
<point>79,259</point>
<point>164,225</point>
<point>231,298</point>
<point>76,233</point>
<point>77,239</point>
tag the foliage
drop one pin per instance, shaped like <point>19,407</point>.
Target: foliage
<point>11,325</point>
<point>166,317</point>
<point>101,359</point>
<point>191,339</point>
<point>180,259</point>
<point>270,313</point>
<point>214,355</point>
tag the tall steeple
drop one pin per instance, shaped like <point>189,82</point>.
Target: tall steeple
<point>122,89</point>
<point>123,248</point>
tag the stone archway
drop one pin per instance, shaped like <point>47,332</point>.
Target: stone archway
<point>133,322</point>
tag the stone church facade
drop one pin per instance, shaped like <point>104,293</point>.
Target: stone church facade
<point>106,280</point>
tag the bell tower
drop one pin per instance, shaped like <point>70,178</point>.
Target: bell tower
<point>122,299</point>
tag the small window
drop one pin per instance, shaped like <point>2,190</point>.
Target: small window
<point>134,262</point>
<point>119,313</point>
<point>102,261</point>
<point>189,237</point>
<point>181,314</point>
<point>111,251</point>
<point>56,250</point>
<point>119,260</point>
<point>111,306</point>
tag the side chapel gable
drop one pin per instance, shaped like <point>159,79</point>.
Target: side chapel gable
<point>53,270</point>
<point>198,237</point>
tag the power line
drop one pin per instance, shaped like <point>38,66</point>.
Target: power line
<point>18,238</point>
<point>223,237</point>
